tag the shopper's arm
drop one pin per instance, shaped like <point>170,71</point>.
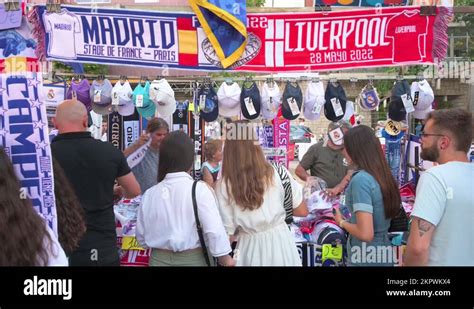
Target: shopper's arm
<point>301,210</point>
<point>418,246</point>
<point>362,230</point>
<point>339,188</point>
<point>134,147</point>
<point>129,185</point>
<point>301,172</point>
<point>207,177</point>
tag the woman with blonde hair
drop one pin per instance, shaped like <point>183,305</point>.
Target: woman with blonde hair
<point>251,202</point>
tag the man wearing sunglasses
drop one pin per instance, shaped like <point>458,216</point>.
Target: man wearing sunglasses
<point>442,231</point>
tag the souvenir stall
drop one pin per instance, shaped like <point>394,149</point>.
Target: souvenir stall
<point>273,43</point>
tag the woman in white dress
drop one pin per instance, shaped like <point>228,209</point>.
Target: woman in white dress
<point>251,196</point>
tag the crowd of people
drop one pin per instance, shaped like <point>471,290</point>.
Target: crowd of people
<point>241,198</point>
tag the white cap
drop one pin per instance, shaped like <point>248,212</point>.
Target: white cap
<point>124,93</point>
<point>271,100</point>
<point>314,100</point>
<point>162,95</point>
<point>422,95</point>
<point>422,114</point>
<point>228,98</point>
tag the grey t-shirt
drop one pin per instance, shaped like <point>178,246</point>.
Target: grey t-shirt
<point>325,163</point>
<point>146,171</point>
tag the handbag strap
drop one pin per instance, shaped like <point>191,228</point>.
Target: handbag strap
<point>288,200</point>
<point>198,224</point>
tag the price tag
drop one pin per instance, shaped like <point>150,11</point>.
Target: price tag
<point>336,105</point>
<point>317,108</point>
<point>408,103</point>
<point>139,101</point>
<point>202,101</point>
<point>130,243</point>
<point>332,253</point>
<point>97,94</point>
<point>115,98</point>
<point>249,104</point>
<point>293,106</point>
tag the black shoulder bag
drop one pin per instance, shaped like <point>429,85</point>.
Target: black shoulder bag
<point>198,225</point>
<point>400,222</point>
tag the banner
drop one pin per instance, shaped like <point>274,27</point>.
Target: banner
<point>280,42</point>
<point>223,22</point>
<point>377,3</point>
<point>281,137</point>
<point>24,135</point>
<point>115,130</point>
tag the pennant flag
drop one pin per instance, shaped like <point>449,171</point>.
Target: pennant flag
<point>224,22</point>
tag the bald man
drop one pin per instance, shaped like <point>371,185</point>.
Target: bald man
<point>92,167</point>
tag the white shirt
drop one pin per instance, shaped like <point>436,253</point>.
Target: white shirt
<point>444,197</point>
<point>62,28</point>
<point>166,218</point>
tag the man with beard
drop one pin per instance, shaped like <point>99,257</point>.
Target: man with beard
<point>442,232</point>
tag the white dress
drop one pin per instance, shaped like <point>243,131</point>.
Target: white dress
<point>264,238</point>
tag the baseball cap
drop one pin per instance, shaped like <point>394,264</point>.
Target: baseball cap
<point>393,128</point>
<point>162,95</point>
<point>207,102</point>
<point>123,95</point>
<point>314,100</point>
<point>141,96</point>
<point>228,97</point>
<point>396,109</point>
<point>335,132</point>
<point>422,114</point>
<point>335,105</point>
<point>271,100</point>
<point>422,95</point>
<point>292,101</point>
<point>250,101</point>
<point>82,89</point>
<point>101,96</point>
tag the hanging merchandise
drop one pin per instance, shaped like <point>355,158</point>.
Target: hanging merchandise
<point>276,42</point>
<point>250,101</point>
<point>349,114</point>
<point>10,18</point>
<point>53,94</point>
<point>24,137</point>
<point>115,130</point>
<point>162,95</point>
<point>281,138</point>
<point>368,98</point>
<point>122,98</point>
<point>292,101</point>
<point>141,98</point>
<point>314,100</point>
<point>18,42</point>
<point>271,100</point>
<point>207,103</point>
<point>82,89</point>
<point>224,22</point>
<point>400,101</point>
<point>423,97</point>
<point>180,116</point>
<point>335,106</point>
<point>101,96</point>
<point>228,97</point>
<point>393,150</point>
